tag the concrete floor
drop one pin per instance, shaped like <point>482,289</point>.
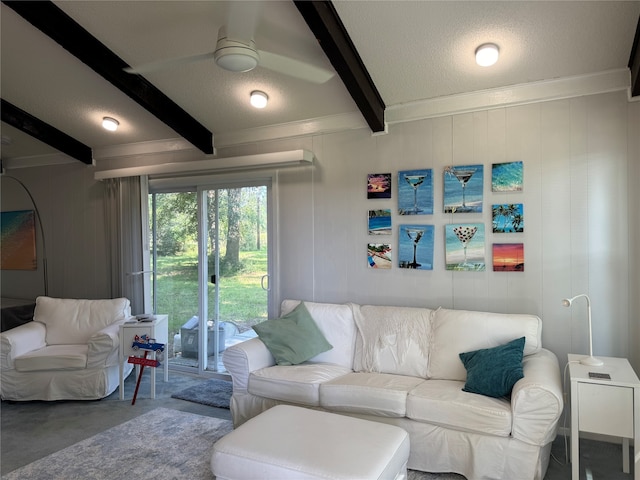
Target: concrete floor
<point>32,430</point>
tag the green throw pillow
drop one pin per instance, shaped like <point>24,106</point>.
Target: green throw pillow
<point>494,371</point>
<point>293,338</point>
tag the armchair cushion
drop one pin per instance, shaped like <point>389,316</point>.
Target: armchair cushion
<point>72,321</point>
<point>55,357</point>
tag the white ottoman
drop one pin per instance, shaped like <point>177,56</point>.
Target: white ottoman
<point>287,442</point>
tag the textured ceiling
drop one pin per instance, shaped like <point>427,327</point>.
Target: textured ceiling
<point>414,51</point>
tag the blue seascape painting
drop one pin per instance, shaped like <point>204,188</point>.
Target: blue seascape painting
<point>507,177</point>
<point>379,222</point>
<point>415,192</point>
<point>463,189</point>
<point>415,247</point>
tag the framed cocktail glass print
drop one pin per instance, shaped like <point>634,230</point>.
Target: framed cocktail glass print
<point>415,247</point>
<point>464,247</point>
<point>415,192</point>
<point>463,186</point>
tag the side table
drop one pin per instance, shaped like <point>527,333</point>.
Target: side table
<point>158,329</point>
<point>605,406</point>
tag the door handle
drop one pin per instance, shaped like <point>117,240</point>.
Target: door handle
<point>262,282</point>
<point>213,279</point>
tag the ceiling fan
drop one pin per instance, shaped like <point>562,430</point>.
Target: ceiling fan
<point>236,51</point>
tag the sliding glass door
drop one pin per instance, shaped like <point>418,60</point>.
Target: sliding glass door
<point>211,260</point>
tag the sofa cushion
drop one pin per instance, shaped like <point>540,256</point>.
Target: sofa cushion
<point>392,340</point>
<point>442,402</point>
<point>457,331</point>
<point>368,393</point>
<point>71,321</point>
<point>296,384</point>
<point>55,357</point>
<point>293,338</point>
<point>336,324</point>
<point>494,371</point>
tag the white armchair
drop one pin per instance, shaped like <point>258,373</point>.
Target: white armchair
<point>68,352</point>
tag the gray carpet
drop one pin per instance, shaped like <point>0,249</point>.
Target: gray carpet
<point>214,393</point>
<point>160,444</point>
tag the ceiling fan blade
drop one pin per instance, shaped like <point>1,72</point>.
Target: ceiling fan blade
<point>168,63</point>
<point>294,68</point>
<point>243,19</point>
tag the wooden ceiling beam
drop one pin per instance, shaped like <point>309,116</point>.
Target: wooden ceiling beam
<point>55,23</point>
<point>44,132</point>
<point>326,25</point>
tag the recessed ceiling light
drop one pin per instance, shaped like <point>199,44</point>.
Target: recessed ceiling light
<point>259,99</point>
<point>110,124</point>
<point>487,54</point>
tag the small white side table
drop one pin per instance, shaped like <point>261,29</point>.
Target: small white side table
<point>158,329</point>
<point>606,407</point>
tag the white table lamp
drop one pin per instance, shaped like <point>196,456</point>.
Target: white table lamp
<point>590,360</point>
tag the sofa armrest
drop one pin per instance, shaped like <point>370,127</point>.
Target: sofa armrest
<point>20,340</point>
<point>536,399</point>
<point>104,346</point>
<point>243,358</point>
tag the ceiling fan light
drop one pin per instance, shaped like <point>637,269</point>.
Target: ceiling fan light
<point>110,124</point>
<point>259,99</point>
<point>236,59</point>
<point>487,54</point>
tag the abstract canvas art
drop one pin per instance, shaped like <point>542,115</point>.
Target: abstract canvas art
<point>18,240</point>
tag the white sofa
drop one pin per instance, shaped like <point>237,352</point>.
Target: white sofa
<point>401,366</point>
<point>68,352</point>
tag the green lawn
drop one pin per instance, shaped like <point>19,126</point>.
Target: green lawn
<point>242,299</point>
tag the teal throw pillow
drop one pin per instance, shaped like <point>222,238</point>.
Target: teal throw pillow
<point>293,338</point>
<point>494,371</point>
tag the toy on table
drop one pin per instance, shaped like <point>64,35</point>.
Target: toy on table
<point>143,342</point>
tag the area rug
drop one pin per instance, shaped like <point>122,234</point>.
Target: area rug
<point>160,444</point>
<point>214,393</point>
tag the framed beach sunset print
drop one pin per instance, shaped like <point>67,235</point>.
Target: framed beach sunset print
<point>415,192</point>
<point>507,177</point>
<point>508,257</point>
<point>463,186</point>
<point>379,255</point>
<point>464,247</point>
<point>415,247</point>
<point>18,240</point>
<point>379,185</point>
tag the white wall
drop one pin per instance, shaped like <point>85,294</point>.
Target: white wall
<point>580,205</point>
<point>582,227</point>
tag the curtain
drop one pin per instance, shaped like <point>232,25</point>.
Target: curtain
<point>127,237</point>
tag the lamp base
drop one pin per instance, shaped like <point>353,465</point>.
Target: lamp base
<point>592,361</point>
